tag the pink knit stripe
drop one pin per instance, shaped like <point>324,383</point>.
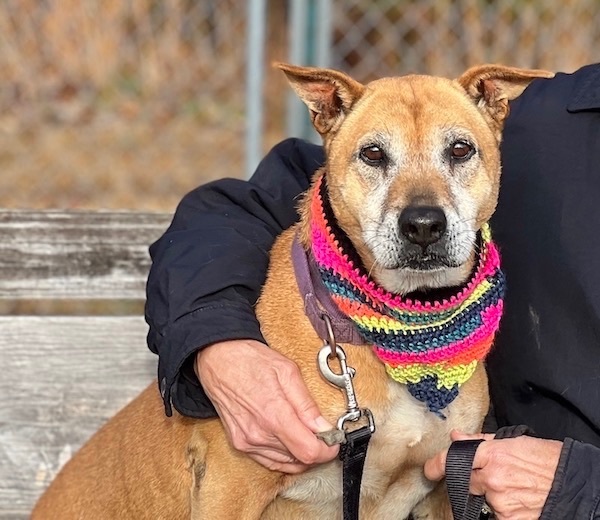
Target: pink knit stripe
<point>491,319</point>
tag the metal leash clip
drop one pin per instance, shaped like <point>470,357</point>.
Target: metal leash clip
<point>343,380</point>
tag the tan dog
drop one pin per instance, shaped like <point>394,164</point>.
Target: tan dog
<point>393,144</point>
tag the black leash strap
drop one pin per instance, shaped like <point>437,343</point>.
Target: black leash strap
<point>459,464</point>
<point>353,454</point>
<point>509,432</point>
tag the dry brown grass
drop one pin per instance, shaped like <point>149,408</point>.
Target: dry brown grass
<point>114,164</point>
<point>112,104</point>
<point>150,48</point>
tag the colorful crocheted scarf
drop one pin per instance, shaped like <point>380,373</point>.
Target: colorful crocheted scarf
<point>431,346</point>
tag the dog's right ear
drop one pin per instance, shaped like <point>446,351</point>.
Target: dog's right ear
<point>328,94</point>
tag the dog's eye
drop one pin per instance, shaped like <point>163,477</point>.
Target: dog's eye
<point>461,151</point>
<point>372,155</point>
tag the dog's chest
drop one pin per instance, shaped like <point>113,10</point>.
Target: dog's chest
<point>406,435</point>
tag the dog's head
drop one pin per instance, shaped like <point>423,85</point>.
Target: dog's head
<point>413,165</point>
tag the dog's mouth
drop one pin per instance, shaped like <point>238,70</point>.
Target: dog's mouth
<point>428,271</point>
<point>425,261</point>
<point>401,256</point>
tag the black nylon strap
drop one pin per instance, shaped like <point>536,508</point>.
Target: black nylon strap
<point>509,432</point>
<point>353,454</point>
<point>459,463</point>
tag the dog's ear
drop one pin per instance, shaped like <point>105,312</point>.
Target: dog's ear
<point>493,86</point>
<point>328,94</point>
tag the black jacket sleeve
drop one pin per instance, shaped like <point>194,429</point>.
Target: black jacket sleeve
<point>209,266</point>
<point>575,492</point>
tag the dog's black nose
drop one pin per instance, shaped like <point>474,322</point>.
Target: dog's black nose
<point>422,225</point>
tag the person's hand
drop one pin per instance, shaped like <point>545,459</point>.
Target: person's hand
<point>264,405</point>
<point>515,475</point>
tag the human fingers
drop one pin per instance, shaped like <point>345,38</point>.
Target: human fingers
<point>299,440</point>
<point>252,386</point>
<point>516,465</point>
<point>435,467</point>
<point>295,418</point>
<point>290,466</point>
<point>284,444</point>
<point>249,433</point>
<point>276,429</point>
<point>269,401</point>
<point>240,378</point>
<point>299,437</point>
<point>302,402</point>
<point>515,475</point>
<point>245,433</point>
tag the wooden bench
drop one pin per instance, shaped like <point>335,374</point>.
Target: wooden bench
<point>62,376</point>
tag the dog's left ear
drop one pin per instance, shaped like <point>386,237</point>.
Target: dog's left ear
<point>493,86</point>
<point>329,94</point>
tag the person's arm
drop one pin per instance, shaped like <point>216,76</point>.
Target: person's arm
<point>206,276</point>
<point>575,491</point>
<point>209,266</point>
<point>531,478</point>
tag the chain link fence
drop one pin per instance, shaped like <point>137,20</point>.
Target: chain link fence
<point>130,103</point>
<point>444,37</point>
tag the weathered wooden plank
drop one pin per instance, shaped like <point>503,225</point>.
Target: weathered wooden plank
<point>62,377</point>
<point>82,255</point>
<point>13,515</point>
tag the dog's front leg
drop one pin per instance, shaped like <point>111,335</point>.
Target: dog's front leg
<point>435,506</point>
<point>226,485</point>
<point>412,496</point>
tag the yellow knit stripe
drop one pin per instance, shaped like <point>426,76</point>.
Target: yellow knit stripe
<point>486,232</point>
<point>388,324</point>
<point>447,376</point>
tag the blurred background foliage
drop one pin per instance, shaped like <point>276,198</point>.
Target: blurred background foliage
<point>131,103</point>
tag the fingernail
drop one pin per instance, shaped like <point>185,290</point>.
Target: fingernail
<point>322,424</point>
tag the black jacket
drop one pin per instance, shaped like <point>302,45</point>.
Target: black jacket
<point>544,371</point>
